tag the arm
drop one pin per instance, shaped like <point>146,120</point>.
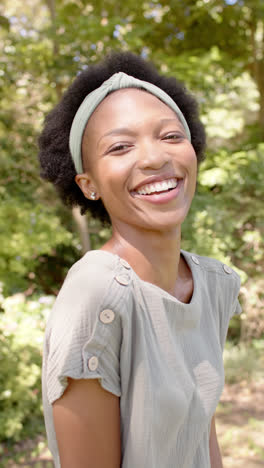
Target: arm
<point>215,455</point>
<point>87,425</point>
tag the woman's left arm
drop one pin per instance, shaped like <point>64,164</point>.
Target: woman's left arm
<point>215,455</point>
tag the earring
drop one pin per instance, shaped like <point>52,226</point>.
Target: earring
<point>93,195</point>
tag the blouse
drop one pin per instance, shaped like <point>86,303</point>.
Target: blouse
<point>162,357</point>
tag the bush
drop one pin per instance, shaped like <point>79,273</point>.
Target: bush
<point>22,324</point>
<point>244,362</point>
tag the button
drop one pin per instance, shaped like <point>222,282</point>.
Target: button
<point>227,269</point>
<point>195,260</point>
<point>107,316</point>
<point>122,279</point>
<point>125,264</point>
<point>93,363</point>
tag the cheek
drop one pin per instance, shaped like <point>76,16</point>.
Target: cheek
<point>114,173</point>
<point>111,178</point>
<point>194,164</point>
<point>191,162</point>
<point>191,154</point>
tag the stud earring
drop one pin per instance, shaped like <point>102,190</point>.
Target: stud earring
<point>93,195</point>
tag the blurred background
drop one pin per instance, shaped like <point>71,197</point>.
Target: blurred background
<point>217,48</point>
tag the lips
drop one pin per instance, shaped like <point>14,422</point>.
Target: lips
<point>157,184</point>
<point>158,187</point>
<point>159,190</point>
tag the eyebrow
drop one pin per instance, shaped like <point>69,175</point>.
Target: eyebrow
<point>128,131</point>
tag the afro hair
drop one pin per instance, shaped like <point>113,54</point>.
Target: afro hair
<point>54,154</point>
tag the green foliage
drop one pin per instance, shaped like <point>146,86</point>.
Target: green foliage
<point>28,232</point>
<point>244,362</point>
<point>226,220</point>
<point>30,212</point>
<point>21,338</point>
<point>217,50</point>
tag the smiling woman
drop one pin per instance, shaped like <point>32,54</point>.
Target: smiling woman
<point>132,368</point>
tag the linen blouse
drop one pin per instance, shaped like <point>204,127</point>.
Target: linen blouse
<point>162,357</point>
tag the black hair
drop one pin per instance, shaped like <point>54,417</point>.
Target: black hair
<point>54,154</point>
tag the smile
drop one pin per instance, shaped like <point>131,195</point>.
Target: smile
<point>159,192</point>
<point>158,187</point>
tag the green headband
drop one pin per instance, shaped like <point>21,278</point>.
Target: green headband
<point>117,81</point>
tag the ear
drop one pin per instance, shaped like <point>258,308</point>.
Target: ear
<point>87,186</point>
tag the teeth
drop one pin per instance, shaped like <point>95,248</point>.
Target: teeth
<point>149,188</point>
<point>158,187</point>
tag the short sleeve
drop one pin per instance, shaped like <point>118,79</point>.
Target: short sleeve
<point>234,292</point>
<point>84,332</point>
<point>230,303</point>
<point>236,308</point>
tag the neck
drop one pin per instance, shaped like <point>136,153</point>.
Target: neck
<point>154,256</point>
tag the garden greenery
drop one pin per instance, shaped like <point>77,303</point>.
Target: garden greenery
<point>42,52</point>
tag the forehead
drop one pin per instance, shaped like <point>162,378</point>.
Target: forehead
<point>127,107</point>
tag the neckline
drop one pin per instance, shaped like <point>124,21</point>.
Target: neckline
<point>164,294</point>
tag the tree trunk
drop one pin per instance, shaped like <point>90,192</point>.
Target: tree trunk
<point>80,221</point>
<point>83,229</point>
<point>261,97</point>
<point>257,69</point>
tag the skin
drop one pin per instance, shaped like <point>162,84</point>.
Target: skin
<point>151,142</point>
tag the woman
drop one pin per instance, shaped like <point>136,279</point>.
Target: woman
<point>133,369</point>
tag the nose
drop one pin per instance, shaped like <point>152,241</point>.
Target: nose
<point>151,156</point>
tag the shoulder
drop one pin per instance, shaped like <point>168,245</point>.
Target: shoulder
<point>215,273</point>
<point>84,331</point>
<point>98,280</point>
<point>212,265</point>
<point>94,261</point>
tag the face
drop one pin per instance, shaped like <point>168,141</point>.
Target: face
<point>139,161</point>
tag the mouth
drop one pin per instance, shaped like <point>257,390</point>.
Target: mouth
<point>159,192</point>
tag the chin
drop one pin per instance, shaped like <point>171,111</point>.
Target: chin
<point>166,221</point>
<point>159,221</point>
<point>164,225</point>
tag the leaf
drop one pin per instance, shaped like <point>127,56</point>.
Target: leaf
<point>4,22</point>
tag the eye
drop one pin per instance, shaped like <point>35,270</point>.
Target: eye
<point>119,147</point>
<point>173,136</point>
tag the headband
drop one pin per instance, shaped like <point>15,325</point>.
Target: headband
<point>117,81</point>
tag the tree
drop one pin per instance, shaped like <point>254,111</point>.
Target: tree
<point>205,43</point>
